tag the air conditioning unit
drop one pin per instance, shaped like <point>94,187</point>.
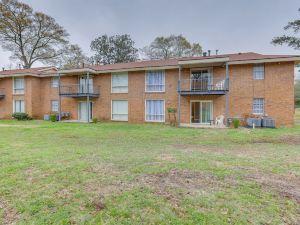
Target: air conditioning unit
<point>255,121</point>
<point>268,122</point>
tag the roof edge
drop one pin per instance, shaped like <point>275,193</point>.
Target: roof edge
<point>266,60</point>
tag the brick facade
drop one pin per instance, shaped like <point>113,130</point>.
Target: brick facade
<point>277,89</point>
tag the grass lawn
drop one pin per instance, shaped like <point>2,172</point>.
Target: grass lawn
<point>114,173</point>
<point>297,116</point>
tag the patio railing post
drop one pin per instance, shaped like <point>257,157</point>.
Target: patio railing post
<point>179,95</point>
<point>226,95</point>
<point>59,98</point>
<point>88,97</point>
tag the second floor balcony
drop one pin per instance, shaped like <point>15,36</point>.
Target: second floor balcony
<point>203,86</point>
<point>2,93</point>
<point>78,90</point>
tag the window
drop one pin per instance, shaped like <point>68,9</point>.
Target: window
<point>119,110</point>
<point>155,81</point>
<point>155,110</point>
<point>19,106</point>
<point>119,83</point>
<point>54,106</point>
<point>258,106</point>
<point>19,85</point>
<point>258,72</point>
<point>54,82</point>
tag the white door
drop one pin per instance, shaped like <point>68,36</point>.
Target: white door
<point>85,85</point>
<point>83,111</point>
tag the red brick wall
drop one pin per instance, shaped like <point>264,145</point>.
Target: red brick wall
<point>277,88</point>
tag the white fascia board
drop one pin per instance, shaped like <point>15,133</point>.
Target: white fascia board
<point>138,69</point>
<point>204,61</point>
<point>254,61</point>
<point>82,70</point>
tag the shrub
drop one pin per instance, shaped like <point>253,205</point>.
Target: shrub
<point>21,116</point>
<point>94,120</point>
<point>53,117</point>
<point>236,123</point>
<point>172,116</point>
<point>172,110</point>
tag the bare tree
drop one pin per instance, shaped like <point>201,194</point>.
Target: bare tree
<point>72,57</point>
<point>114,49</point>
<point>171,47</point>
<point>30,36</point>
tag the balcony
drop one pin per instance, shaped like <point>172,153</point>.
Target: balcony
<point>77,90</point>
<point>2,94</point>
<point>203,86</point>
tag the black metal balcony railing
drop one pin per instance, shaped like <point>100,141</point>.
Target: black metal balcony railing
<point>203,86</point>
<point>78,90</point>
<point>2,93</point>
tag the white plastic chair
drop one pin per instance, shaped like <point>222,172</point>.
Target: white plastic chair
<point>220,85</point>
<point>220,121</point>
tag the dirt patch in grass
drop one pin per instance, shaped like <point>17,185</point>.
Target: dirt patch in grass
<point>32,174</point>
<point>98,203</point>
<point>172,185</point>
<point>290,140</point>
<point>9,215</point>
<point>188,148</point>
<point>287,185</point>
<point>175,184</point>
<point>167,157</point>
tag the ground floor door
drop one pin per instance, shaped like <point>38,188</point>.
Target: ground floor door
<point>83,112</point>
<point>201,112</point>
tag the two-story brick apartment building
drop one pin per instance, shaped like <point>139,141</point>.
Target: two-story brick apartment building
<point>200,88</point>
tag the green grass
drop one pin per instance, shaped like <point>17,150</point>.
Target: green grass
<point>114,173</point>
<point>297,116</point>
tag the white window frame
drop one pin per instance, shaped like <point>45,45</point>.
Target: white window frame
<point>53,84</point>
<point>14,89</point>
<point>155,121</point>
<point>164,84</point>
<point>112,87</point>
<point>119,100</point>
<point>14,105</point>
<point>52,101</point>
<point>254,111</point>
<point>258,74</point>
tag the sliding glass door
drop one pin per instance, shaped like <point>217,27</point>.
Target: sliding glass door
<point>201,80</point>
<point>201,112</point>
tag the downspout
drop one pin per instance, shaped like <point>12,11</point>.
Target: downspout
<point>179,95</point>
<point>227,95</point>
<point>88,96</point>
<point>59,99</point>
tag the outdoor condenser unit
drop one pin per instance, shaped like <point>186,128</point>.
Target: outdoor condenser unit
<point>268,122</point>
<point>255,121</point>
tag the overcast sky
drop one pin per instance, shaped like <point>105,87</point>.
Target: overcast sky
<point>228,25</point>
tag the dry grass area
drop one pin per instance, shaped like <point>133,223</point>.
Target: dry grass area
<point>297,116</point>
<point>114,173</point>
